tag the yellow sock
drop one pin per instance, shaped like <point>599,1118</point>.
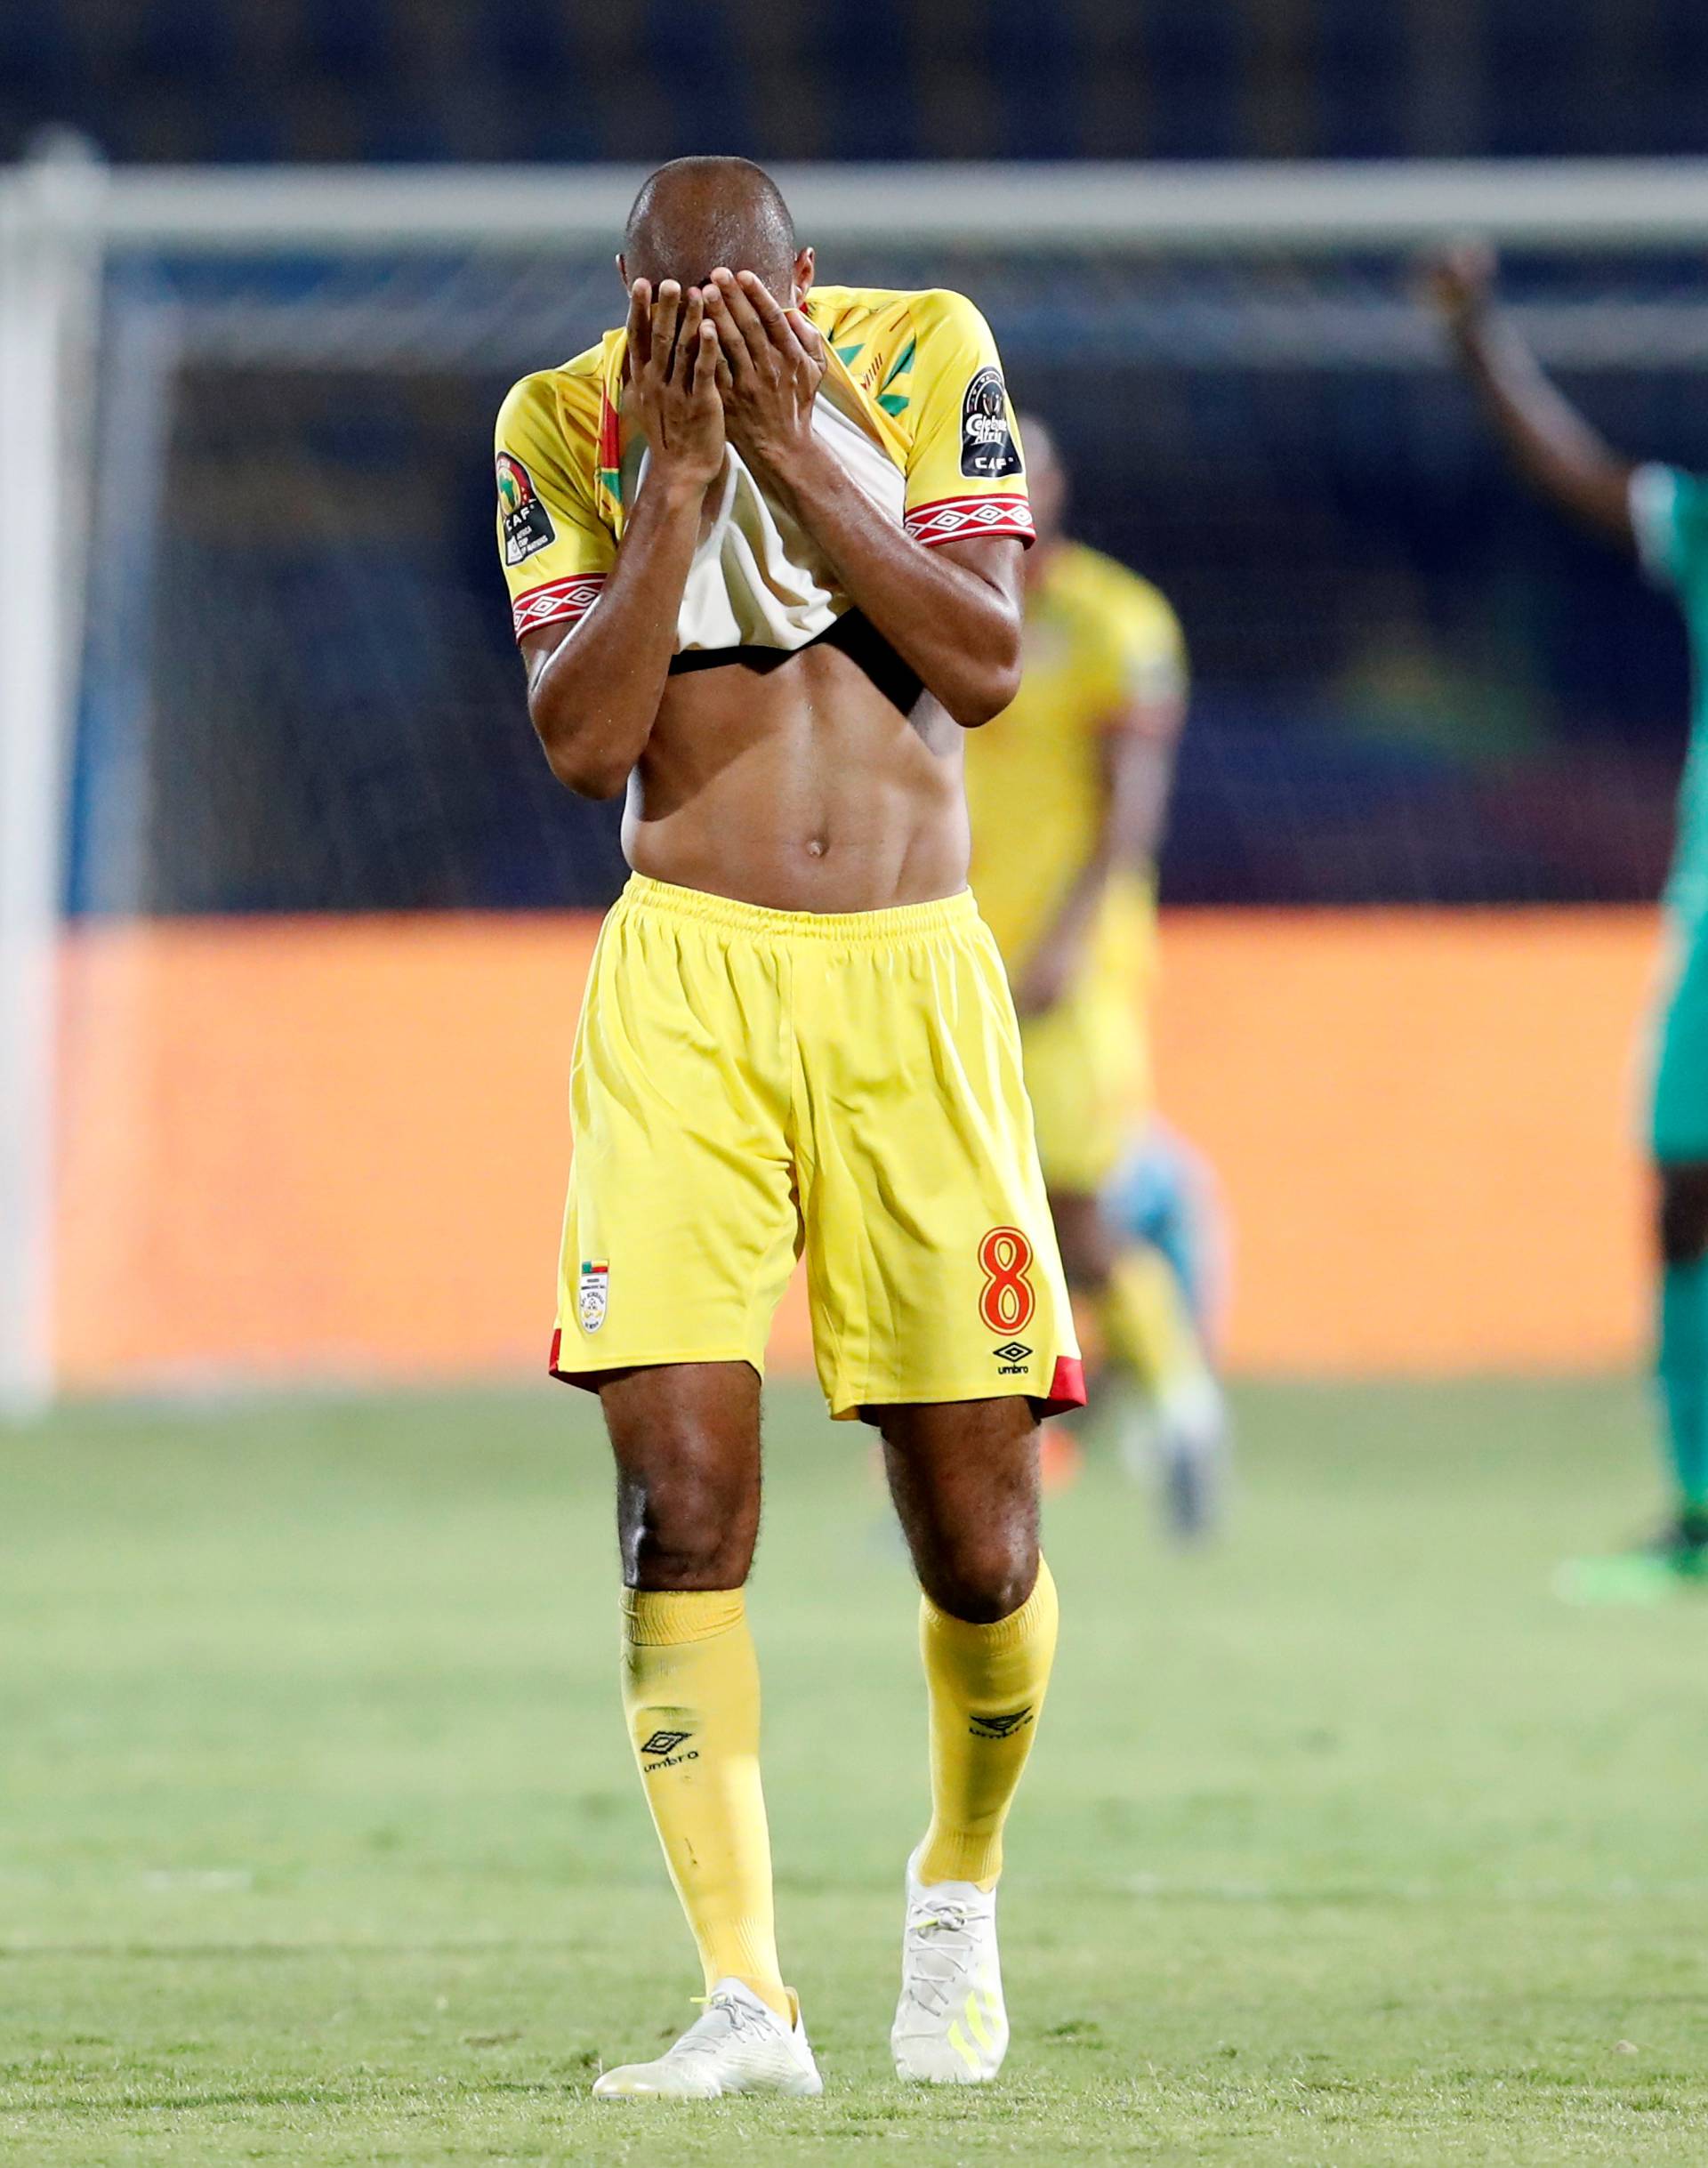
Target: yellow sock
<point>691,1692</point>
<point>1146,1326</point>
<point>986,1686</point>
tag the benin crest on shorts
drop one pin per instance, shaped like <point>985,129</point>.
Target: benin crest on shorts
<point>592,1292</point>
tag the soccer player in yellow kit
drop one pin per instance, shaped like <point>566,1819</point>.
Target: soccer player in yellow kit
<point>1068,796</point>
<point>763,553</point>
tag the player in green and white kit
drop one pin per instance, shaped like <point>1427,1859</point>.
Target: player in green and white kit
<point>1662,515</point>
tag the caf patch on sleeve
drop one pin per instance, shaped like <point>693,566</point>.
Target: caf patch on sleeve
<point>527,524</point>
<point>988,451</point>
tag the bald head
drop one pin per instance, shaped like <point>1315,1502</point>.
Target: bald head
<point>697,215</point>
<point>1046,482</point>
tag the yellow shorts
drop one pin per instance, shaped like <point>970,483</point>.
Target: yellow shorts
<point>1088,1074</point>
<point>752,1083</point>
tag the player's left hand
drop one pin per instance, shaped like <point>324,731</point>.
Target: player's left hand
<point>771,362</point>
<point>1049,973</point>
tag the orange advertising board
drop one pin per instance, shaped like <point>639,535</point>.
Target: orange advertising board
<point>335,1148</point>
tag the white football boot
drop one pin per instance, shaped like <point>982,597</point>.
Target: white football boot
<point>738,2044</point>
<point>951,2027</point>
<point>1178,1446</point>
<point>1193,1449</point>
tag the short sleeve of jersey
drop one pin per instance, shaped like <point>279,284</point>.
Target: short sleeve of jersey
<point>1150,651</point>
<point>1130,665</point>
<point>556,551</point>
<point>965,471</point>
<point>1669,516</point>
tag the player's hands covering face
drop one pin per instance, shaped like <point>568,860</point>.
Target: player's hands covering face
<point>770,364</point>
<point>673,364</point>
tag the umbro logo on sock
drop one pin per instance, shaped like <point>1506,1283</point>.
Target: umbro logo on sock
<point>1000,1727</point>
<point>662,1744</point>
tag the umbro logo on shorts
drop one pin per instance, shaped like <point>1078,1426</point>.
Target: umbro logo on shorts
<point>1013,1355</point>
<point>1000,1727</point>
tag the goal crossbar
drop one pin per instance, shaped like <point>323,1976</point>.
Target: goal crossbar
<point>1302,208</point>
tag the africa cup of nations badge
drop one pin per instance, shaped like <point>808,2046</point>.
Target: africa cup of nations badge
<point>988,452</point>
<point>526,523</point>
<point>592,1292</point>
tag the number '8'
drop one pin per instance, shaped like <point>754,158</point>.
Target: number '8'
<point>1008,1302</point>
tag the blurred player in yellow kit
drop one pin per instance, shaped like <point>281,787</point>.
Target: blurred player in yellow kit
<point>1069,800</point>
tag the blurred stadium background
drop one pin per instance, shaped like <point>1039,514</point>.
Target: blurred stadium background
<point>294,924</point>
<point>301,843</point>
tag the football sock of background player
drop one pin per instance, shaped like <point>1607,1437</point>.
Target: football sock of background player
<point>1146,1325</point>
<point>691,1692</point>
<point>986,1686</point>
<point>1683,1371</point>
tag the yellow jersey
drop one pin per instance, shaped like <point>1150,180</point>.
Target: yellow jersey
<point>1097,639</point>
<point>912,402</point>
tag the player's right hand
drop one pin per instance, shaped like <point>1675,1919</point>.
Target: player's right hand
<point>1458,282</point>
<point>673,361</point>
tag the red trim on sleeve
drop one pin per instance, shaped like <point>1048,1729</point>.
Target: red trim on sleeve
<point>951,517</point>
<point>557,600</point>
<point>1067,1386</point>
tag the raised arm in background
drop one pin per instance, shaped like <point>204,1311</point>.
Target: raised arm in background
<point>1551,445</point>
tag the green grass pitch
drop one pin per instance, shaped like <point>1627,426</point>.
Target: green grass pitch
<point>1349,1843</point>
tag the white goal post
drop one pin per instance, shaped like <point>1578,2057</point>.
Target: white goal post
<point>63,215</point>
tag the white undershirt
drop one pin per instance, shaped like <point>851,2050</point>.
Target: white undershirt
<point>757,578</point>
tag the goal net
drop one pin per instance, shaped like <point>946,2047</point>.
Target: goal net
<point>304,854</point>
